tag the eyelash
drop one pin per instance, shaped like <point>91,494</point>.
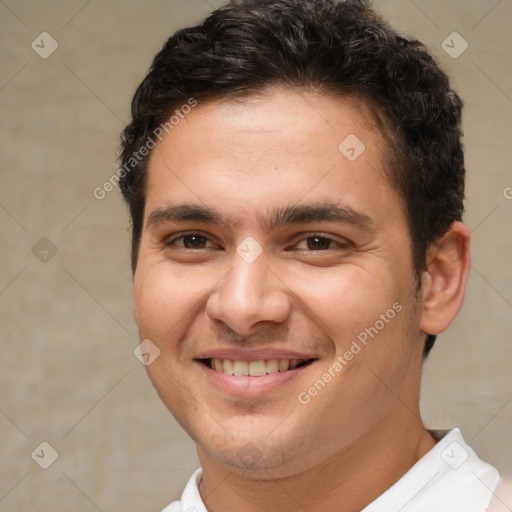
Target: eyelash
<point>170,243</point>
<point>340,245</point>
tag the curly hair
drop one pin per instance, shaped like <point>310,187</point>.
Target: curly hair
<point>342,48</point>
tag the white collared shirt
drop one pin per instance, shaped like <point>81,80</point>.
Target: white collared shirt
<point>449,478</point>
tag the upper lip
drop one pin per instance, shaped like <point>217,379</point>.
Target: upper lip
<point>253,354</point>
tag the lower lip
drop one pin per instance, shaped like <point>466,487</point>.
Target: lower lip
<point>247,386</point>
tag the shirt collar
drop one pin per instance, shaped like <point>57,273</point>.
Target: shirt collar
<point>449,478</point>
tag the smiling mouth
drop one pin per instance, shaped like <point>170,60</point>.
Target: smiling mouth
<point>257,368</point>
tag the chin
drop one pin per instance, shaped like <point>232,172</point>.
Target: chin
<point>257,460</point>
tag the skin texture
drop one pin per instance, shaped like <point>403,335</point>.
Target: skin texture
<point>243,159</point>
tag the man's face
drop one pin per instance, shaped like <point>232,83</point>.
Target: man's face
<point>264,241</point>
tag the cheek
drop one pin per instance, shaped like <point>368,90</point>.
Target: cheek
<point>163,298</point>
<point>346,300</point>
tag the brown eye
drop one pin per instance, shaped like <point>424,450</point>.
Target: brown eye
<point>321,243</point>
<point>189,241</point>
<point>318,243</point>
<point>194,241</point>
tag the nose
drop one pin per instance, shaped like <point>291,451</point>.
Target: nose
<point>248,295</point>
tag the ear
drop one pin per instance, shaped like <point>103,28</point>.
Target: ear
<point>444,281</point>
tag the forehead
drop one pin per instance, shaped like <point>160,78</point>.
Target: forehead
<point>271,150</point>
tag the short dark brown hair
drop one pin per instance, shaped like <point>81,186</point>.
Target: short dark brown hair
<point>336,47</point>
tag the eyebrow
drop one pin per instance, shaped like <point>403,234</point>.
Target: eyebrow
<point>318,212</point>
<point>274,219</point>
<point>186,212</point>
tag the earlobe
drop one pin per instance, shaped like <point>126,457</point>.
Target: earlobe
<point>444,281</point>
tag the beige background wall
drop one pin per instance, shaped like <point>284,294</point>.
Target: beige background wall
<point>67,373</point>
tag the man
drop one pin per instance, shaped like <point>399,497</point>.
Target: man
<point>295,178</point>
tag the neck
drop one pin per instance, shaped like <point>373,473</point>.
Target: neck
<point>348,481</point>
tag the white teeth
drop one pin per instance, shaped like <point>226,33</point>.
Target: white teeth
<point>283,365</point>
<point>257,368</point>
<point>228,367</point>
<point>240,367</point>
<point>273,365</point>
<point>254,368</point>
